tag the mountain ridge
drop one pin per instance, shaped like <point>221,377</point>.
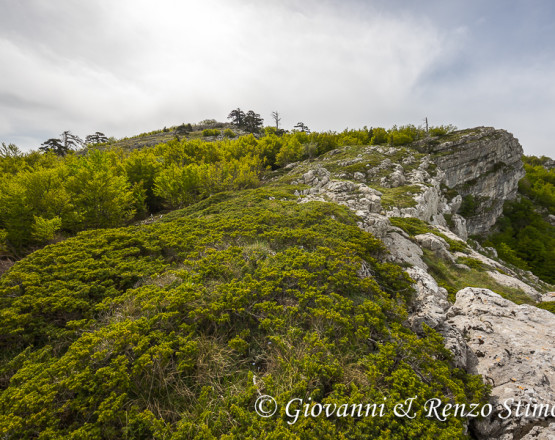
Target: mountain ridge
<point>336,264</point>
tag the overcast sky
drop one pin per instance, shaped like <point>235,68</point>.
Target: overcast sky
<point>129,66</point>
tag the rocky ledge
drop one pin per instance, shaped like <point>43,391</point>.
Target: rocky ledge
<point>511,346</point>
<point>484,164</point>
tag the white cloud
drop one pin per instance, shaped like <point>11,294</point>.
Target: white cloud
<point>132,66</point>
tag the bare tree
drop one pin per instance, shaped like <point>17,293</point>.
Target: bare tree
<point>276,118</point>
<point>70,140</point>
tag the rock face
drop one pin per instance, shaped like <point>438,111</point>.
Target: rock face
<point>512,347</point>
<point>486,165</point>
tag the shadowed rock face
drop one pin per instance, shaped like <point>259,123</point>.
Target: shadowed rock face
<point>485,164</point>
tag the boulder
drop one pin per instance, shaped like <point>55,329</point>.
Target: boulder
<point>430,302</point>
<point>513,348</point>
<point>436,244</point>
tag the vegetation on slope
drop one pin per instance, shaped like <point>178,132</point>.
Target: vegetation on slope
<point>524,237</point>
<point>44,198</point>
<point>173,329</point>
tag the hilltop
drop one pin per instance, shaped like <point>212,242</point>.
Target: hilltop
<point>160,290</point>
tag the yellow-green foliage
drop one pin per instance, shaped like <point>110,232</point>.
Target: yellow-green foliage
<point>108,188</point>
<point>171,330</point>
<point>44,230</point>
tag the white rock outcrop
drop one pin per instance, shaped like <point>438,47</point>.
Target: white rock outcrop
<point>512,347</point>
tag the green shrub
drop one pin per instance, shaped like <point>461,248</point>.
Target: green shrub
<point>379,136</point>
<point>550,306</point>
<point>211,132</point>
<point>173,329</point>
<point>468,206</point>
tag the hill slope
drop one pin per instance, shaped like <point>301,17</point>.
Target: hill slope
<point>345,279</point>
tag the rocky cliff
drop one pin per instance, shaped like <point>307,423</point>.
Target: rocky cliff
<point>423,201</point>
<point>485,166</point>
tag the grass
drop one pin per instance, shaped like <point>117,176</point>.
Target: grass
<point>400,197</point>
<point>473,263</point>
<point>454,279</point>
<point>550,306</point>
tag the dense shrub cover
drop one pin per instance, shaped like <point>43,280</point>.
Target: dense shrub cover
<point>524,237</point>
<point>43,197</point>
<point>171,330</point>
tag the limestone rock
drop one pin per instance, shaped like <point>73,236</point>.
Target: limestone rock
<point>513,348</point>
<point>436,244</point>
<point>377,224</point>
<point>459,226</point>
<point>359,176</point>
<point>430,302</point>
<point>404,250</point>
<point>509,281</point>
<point>541,433</point>
<point>397,178</point>
<point>485,164</point>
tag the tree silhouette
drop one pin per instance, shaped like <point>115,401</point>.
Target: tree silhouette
<point>183,129</point>
<point>62,146</point>
<point>302,127</point>
<point>54,145</point>
<point>237,117</point>
<point>253,122</point>
<point>97,138</point>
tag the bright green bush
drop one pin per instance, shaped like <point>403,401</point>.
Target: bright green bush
<point>211,132</point>
<point>171,330</point>
<point>45,229</point>
<point>99,192</point>
<point>229,133</point>
<point>525,239</point>
<point>291,152</point>
<point>379,136</point>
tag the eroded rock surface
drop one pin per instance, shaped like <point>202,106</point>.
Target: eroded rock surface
<point>512,347</point>
<point>486,164</point>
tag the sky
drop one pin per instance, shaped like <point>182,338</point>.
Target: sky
<point>130,66</point>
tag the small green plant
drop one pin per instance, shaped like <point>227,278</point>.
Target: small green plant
<point>473,263</point>
<point>468,206</point>
<point>211,132</point>
<point>550,306</point>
